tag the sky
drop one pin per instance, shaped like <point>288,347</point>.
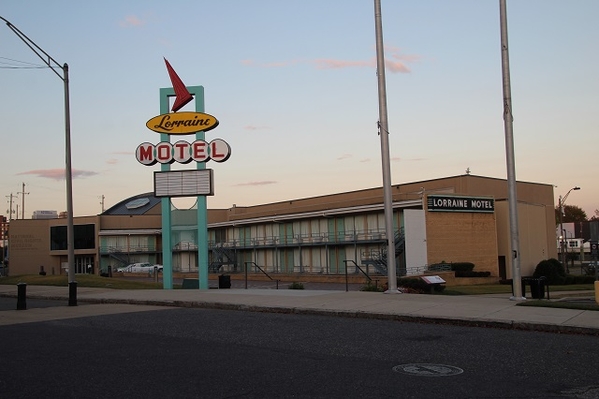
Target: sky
<point>293,84</point>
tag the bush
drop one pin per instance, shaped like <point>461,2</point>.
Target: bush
<point>579,279</point>
<point>372,287</point>
<point>439,267</point>
<point>411,282</point>
<point>472,274</point>
<point>462,266</point>
<point>552,270</point>
<point>296,286</point>
<point>418,285</point>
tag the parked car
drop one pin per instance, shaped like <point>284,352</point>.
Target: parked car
<point>122,269</point>
<point>142,267</point>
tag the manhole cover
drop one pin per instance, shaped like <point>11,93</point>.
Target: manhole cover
<point>428,370</point>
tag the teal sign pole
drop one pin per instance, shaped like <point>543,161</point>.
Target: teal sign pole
<point>202,210</point>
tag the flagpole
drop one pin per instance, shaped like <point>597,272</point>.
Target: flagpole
<point>508,121</point>
<point>384,134</point>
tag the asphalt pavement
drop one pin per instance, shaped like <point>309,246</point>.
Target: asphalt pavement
<point>496,310</point>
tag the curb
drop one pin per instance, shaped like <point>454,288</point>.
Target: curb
<point>505,325</point>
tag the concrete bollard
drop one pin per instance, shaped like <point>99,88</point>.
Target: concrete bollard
<point>73,293</point>
<point>22,296</point>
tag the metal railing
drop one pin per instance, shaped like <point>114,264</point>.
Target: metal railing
<point>259,268</point>
<point>357,268</point>
<point>339,237</point>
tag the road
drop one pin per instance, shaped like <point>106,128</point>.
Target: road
<point>202,353</point>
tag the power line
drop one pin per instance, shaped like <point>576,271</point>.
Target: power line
<point>21,64</point>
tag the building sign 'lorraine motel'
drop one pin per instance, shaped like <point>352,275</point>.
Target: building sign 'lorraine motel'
<point>447,203</point>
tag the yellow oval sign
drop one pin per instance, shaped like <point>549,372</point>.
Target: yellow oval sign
<point>182,123</point>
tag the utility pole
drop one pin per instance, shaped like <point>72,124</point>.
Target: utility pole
<point>4,238</point>
<point>23,202</point>
<point>102,202</point>
<point>10,201</point>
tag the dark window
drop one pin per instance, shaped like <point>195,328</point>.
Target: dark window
<point>220,236</point>
<point>85,237</point>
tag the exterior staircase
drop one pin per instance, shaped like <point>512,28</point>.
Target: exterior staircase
<point>378,258</point>
<point>221,256</point>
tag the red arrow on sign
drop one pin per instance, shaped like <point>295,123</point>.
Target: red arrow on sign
<point>183,96</point>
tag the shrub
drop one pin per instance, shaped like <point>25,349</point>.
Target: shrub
<point>371,287</point>
<point>413,283</point>
<point>472,274</point>
<point>439,267</point>
<point>296,286</point>
<point>552,270</point>
<point>462,266</point>
<point>579,279</point>
<point>418,285</point>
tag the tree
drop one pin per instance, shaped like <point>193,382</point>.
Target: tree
<point>572,213</point>
<point>595,217</point>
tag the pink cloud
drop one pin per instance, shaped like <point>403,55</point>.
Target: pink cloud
<point>58,174</point>
<point>257,183</point>
<point>252,127</point>
<point>131,20</point>
<point>338,64</point>
<point>112,161</point>
<point>396,66</point>
<point>395,62</point>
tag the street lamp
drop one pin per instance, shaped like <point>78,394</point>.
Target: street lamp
<point>52,64</point>
<point>561,226</point>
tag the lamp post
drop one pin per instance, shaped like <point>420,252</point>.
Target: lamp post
<point>52,64</point>
<point>561,226</point>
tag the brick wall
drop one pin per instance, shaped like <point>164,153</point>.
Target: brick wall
<point>463,237</point>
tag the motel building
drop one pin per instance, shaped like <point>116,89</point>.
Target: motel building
<point>453,219</point>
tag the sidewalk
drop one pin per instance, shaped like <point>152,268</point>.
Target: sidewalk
<point>480,310</point>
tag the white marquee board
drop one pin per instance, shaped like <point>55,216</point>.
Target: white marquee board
<point>183,183</point>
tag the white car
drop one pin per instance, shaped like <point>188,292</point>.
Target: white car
<point>140,268</point>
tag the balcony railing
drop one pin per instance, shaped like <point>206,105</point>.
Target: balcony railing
<point>312,239</point>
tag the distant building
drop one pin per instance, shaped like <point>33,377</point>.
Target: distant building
<point>44,215</point>
<point>454,219</point>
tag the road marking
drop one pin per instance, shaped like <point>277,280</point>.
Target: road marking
<point>9,317</point>
<point>428,370</point>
